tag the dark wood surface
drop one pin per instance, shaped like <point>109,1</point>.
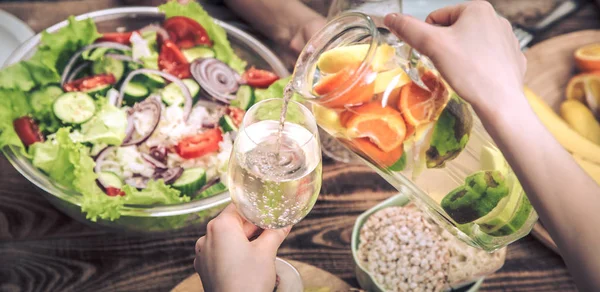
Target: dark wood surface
<point>41,249</point>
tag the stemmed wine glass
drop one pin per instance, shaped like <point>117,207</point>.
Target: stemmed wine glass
<point>275,177</point>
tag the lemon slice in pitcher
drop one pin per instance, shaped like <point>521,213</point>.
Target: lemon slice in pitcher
<point>339,58</point>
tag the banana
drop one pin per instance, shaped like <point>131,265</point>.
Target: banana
<point>592,169</point>
<point>581,119</point>
<point>565,135</point>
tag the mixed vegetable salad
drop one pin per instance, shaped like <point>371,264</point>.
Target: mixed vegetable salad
<point>144,117</point>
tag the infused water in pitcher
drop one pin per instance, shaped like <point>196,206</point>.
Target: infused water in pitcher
<point>388,104</point>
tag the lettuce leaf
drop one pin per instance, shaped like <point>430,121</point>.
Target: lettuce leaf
<point>106,127</point>
<point>43,68</point>
<point>16,77</point>
<point>13,104</point>
<point>70,165</point>
<point>216,33</point>
<point>57,48</point>
<point>156,192</point>
<point>65,161</point>
<point>275,91</point>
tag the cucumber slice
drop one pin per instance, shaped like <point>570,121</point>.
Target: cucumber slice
<point>213,190</point>
<point>74,107</point>
<point>100,90</point>
<point>480,194</point>
<point>400,165</point>
<point>227,124</point>
<point>192,86</point>
<point>172,94</point>
<point>190,181</point>
<point>110,179</point>
<point>109,65</point>
<point>245,97</point>
<point>150,80</point>
<point>198,53</point>
<point>43,98</point>
<point>135,92</point>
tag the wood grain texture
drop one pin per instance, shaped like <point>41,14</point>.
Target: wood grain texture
<point>41,249</point>
<point>312,278</point>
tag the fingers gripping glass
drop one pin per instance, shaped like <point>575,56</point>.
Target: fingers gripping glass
<point>274,180</point>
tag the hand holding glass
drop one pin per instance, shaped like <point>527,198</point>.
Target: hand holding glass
<point>274,180</point>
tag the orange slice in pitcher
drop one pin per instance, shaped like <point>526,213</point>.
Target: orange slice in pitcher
<point>384,126</point>
<point>337,95</point>
<point>337,59</point>
<point>382,158</point>
<point>587,58</point>
<point>419,106</point>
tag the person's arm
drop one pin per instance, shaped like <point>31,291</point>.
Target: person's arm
<point>477,53</point>
<point>288,22</point>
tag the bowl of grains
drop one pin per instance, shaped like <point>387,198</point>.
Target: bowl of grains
<point>396,247</point>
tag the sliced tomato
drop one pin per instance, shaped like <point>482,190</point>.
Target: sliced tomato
<point>116,37</point>
<point>186,32</point>
<point>27,130</point>
<point>259,78</point>
<point>114,192</point>
<point>236,114</point>
<point>200,145</point>
<point>91,82</point>
<point>172,60</point>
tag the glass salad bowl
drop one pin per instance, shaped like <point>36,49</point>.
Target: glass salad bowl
<point>139,218</point>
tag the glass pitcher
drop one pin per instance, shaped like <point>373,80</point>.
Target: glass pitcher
<point>388,104</point>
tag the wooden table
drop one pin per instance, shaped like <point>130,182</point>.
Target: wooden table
<point>41,249</point>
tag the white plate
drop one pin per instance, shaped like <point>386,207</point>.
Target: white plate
<point>421,8</point>
<point>13,32</point>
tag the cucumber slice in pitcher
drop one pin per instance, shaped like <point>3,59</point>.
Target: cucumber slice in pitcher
<point>400,165</point>
<point>74,107</point>
<point>190,181</point>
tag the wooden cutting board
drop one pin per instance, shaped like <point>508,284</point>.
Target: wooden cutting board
<point>550,65</point>
<point>312,277</point>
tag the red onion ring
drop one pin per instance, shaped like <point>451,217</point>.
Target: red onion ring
<point>123,58</point>
<point>76,71</point>
<point>155,162</point>
<point>169,176</point>
<point>216,78</point>
<point>75,57</point>
<point>130,128</point>
<point>159,153</point>
<point>187,106</point>
<point>99,162</point>
<point>209,184</point>
<point>164,35</point>
<point>149,104</point>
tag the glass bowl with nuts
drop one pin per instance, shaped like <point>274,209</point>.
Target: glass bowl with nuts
<point>396,247</point>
